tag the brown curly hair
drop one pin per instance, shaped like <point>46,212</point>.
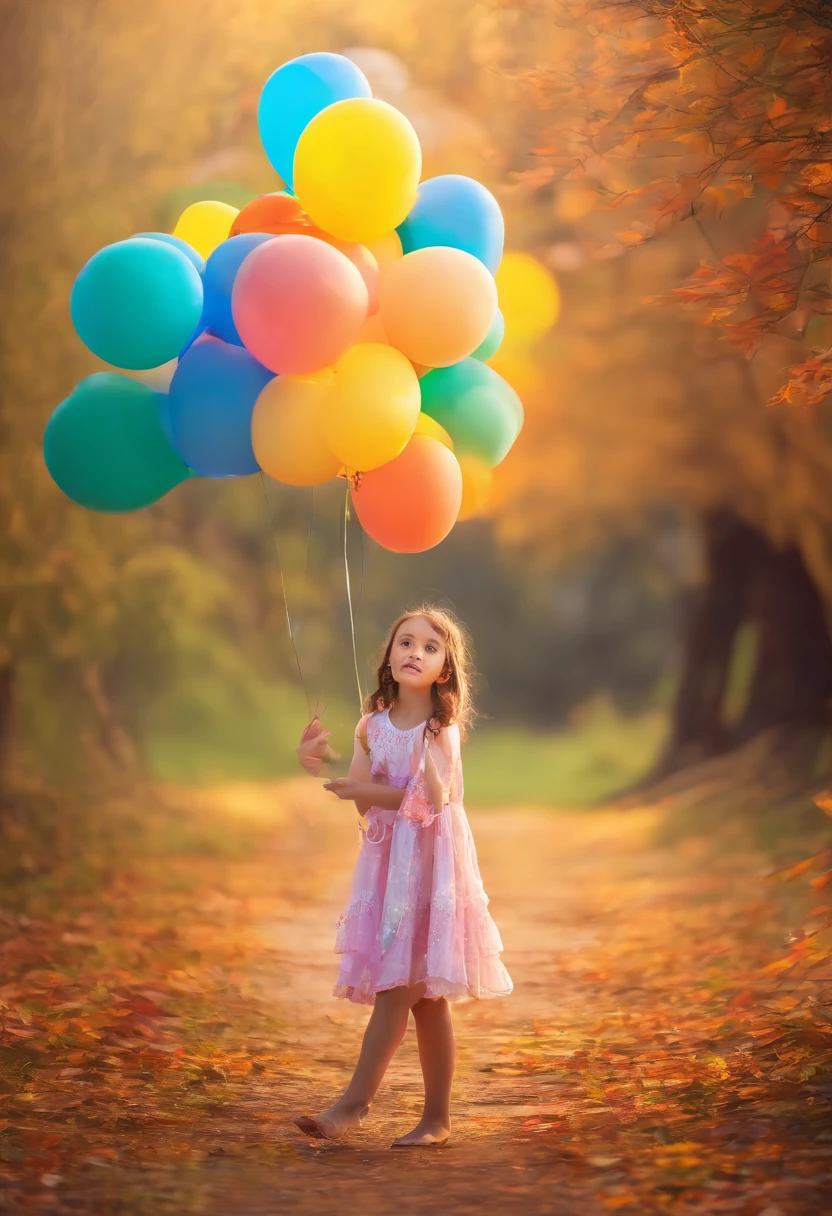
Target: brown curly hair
<point>451,700</point>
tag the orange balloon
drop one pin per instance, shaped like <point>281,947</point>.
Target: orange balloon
<point>284,430</point>
<point>387,250</point>
<point>373,331</point>
<point>411,503</point>
<point>437,305</point>
<point>476,486</point>
<point>282,215</point>
<point>277,213</point>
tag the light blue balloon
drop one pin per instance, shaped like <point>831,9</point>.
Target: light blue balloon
<point>210,403</point>
<point>295,93</point>
<point>168,239</point>
<point>493,340</point>
<point>136,303</point>
<point>457,211</point>
<point>218,281</point>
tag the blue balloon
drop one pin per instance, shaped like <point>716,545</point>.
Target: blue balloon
<point>456,211</point>
<point>493,340</point>
<point>295,93</point>
<point>136,303</point>
<point>177,242</point>
<point>163,409</point>
<point>218,281</point>
<point>210,403</point>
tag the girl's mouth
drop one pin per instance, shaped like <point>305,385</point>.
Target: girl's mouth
<point>412,667</point>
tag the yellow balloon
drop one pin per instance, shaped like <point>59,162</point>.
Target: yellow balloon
<point>205,225</point>
<point>425,425</point>
<point>371,408</point>
<point>528,296</point>
<point>476,486</point>
<point>357,167</point>
<point>284,430</point>
<point>387,250</point>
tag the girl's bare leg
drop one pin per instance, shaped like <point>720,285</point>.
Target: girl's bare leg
<point>437,1055</point>
<point>385,1031</point>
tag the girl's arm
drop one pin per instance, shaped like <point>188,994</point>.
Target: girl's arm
<point>359,786</point>
<point>366,793</point>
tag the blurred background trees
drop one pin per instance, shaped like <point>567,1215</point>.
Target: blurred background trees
<point>660,535</point>
<point>680,167</point>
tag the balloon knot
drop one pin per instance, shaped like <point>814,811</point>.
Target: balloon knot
<point>354,479</point>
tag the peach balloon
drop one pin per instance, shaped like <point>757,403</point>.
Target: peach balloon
<point>284,430</point>
<point>370,410</point>
<point>412,503</point>
<point>298,304</point>
<point>437,305</point>
<point>476,486</point>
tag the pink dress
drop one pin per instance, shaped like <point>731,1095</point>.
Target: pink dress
<point>418,912</point>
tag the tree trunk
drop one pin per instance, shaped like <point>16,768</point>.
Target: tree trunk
<point>6,721</point>
<point>748,579</point>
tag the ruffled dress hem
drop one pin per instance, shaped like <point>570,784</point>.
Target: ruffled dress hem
<point>418,913</point>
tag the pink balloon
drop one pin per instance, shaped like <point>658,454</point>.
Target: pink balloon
<point>298,304</point>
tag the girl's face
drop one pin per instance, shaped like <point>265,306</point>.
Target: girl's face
<point>417,656</point>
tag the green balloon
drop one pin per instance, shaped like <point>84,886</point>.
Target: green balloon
<point>479,410</point>
<point>104,445</point>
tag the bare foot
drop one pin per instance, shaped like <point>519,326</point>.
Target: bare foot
<point>424,1135</point>
<point>332,1124</point>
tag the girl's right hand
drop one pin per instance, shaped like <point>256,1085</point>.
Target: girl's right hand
<point>313,750</point>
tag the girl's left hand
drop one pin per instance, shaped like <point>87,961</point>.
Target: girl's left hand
<point>344,788</point>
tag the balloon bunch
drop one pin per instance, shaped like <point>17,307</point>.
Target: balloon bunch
<point>338,327</point>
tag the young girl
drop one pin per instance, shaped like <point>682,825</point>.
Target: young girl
<point>417,932</point>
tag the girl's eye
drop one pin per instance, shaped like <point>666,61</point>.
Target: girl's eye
<point>404,643</point>
<point>430,646</point>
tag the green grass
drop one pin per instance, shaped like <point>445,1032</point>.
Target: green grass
<point>203,734</point>
<point>596,758</point>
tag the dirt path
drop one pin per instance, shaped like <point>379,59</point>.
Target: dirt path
<point>622,1075</point>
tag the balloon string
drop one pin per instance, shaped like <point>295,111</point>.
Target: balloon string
<point>285,600</point>
<point>349,599</point>
<point>309,533</point>
<point>363,568</point>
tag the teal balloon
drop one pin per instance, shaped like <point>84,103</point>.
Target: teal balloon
<point>105,445</point>
<point>136,303</point>
<point>493,340</point>
<point>176,241</point>
<point>294,94</point>
<point>479,410</point>
<point>457,211</point>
